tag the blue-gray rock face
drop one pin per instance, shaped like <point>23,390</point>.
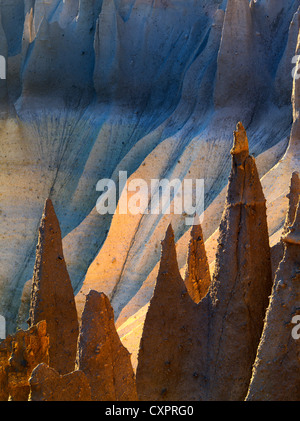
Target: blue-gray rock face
<point>94,86</point>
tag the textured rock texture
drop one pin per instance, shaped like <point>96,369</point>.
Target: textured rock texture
<point>198,147</point>
<point>277,250</point>
<point>170,362</point>
<point>277,361</point>
<point>101,355</point>
<point>20,354</point>
<point>47,385</point>
<point>97,87</point>
<point>52,297</point>
<point>242,279</point>
<point>28,349</point>
<point>206,351</point>
<point>4,367</point>
<point>153,88</point>
<point>276,372</point>
<point>197,276</point>
<point>293,196</point>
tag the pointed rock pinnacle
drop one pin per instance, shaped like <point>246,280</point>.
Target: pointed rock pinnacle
<point>101,355</point>
<point>4,366</point>
<point>47,385</point>
<point>293,234</point>
<point>205,351</point>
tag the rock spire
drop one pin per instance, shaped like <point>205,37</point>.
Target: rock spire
<point>197,276</point>
<point>169,360</point>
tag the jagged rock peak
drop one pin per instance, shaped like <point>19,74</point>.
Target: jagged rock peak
<point>244,184</point>
<point>101,355</point>
<point>4,356</point>
<point>293,235</point>
<point>240,143</point>
<point>223,329</point>
<point>47,385</point>
<point>21,353</point>
<point>52,297</point>
<point>197,276</point>
<point>293,196</point>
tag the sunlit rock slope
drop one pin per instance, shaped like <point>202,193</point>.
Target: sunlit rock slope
<point>151,87</point>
